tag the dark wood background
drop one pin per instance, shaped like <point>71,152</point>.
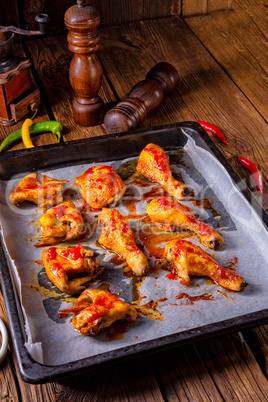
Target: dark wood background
<point>112,12</point>
<point>219,48</point>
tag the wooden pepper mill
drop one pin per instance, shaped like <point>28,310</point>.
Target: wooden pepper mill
<point>145,97</point>
<point>85,69</point>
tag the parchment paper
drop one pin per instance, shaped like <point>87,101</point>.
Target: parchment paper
<point>52,340</point>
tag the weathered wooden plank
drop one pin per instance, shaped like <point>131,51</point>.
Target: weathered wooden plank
<point>215,5</point>
<point>197,7</point>
<point>8,382</point>
<point>12,388</point>
<point>238,41</point>
<point>184,376</point>
<point>234,369</point>
<point>52,60</point>
<point>204,93</point>
<point>193,7</point>
<point>128,381</point>
<point>257,340</point>
<point>9,13</point>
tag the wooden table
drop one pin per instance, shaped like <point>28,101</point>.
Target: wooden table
<point>221,60</point>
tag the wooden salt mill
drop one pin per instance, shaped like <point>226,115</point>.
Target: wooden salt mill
<point>85,69</point>
<point>145,97</point>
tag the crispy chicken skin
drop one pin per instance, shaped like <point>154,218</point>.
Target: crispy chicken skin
<point>154,164</point>
<point>189,259</point>
<point>61,223</point>
<point>69,268</point>
<point>40,189</point>
<point>97,309</point>
<point>117,235</point>
<point>170,215</point>
<point>100,186</point>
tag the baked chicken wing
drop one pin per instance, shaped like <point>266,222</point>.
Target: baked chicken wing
<point>117,235</point>
<point>40,189</point>
<point>154,164</point>
<point>97,309</point>
<point>189,259</point>
<point>61,223</point>
<point>169,214</point>
<point>100,186</point>
<point>70,268</point>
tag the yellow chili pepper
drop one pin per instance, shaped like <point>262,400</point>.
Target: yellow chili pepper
<point>25,134</point>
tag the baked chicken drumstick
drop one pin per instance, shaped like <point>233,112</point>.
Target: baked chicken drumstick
<point>100,186</point>
<point>40,189</point>
<point>61,223</point>
<point>189,259</point>
<point>70,268</point>
<point>169,214</point>
<point>117,235</point>
<point>97,309</point>
<point>154,164</point>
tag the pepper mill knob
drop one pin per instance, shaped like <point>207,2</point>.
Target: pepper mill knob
<point>145,97</point>
<point>85,72</point>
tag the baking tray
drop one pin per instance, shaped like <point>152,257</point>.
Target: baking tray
<point>104,149</point>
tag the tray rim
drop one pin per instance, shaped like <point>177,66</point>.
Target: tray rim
<point>34,372</point>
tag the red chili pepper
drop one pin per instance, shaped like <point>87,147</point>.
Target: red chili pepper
<point>252,168</point>
<point>214,130</point>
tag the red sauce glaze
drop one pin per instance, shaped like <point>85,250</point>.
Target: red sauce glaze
<point>95,313</point>
<point>166,203</point>
<point>63,315</point>
<point>33,187</point>
<point>73,253</point>
<point>105,180</point>
<point>181,245</point>
<point>61,210</point>
<point>172,275</point>
<point>29,184</point>
<point>125,227</point>
<point>57,270</point>
<point>102,176</point>
<point>177,249</point>
<point>41,186</point>
<point>116,217</point>
<point>106,301</point>
<point>224,274</point>
<point>113,219</point>
<point>75,215</point>
<point>105,170</point>
<point>203,229</point>
<point>161,159</point>
<point>51,254</point>
<point>97,182</point>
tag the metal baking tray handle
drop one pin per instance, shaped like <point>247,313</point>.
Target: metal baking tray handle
<point>3,350</point>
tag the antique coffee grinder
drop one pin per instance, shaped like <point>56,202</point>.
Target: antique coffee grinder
<point>18,92</point>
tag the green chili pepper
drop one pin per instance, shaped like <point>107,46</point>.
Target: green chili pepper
<point>38,128</point>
